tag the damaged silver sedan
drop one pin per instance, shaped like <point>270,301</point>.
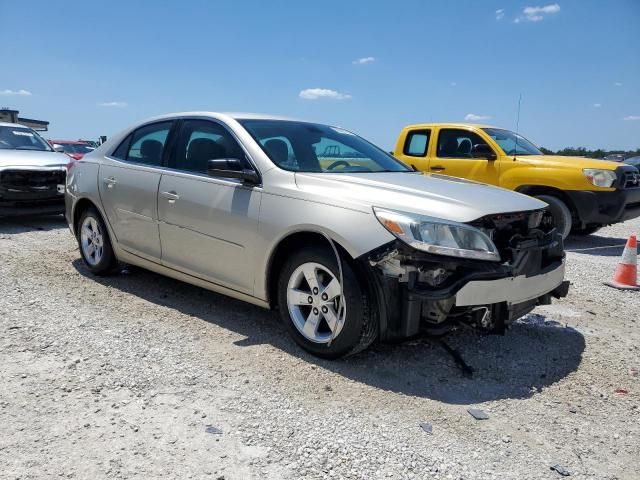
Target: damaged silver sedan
<point>347,242</point>
<point>32,174</point>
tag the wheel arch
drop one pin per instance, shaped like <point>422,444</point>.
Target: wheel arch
<point>535,190</point>
<point>291,242</point>
<point>80,206</point>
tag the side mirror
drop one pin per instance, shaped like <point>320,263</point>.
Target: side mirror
<point>232,168</point>
<point>482,150</point>
<point>58,148</point>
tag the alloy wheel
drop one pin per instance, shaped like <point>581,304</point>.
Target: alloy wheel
<point>91,240</point>
<point>315,302</point>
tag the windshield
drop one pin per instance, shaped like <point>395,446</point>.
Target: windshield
<point>22,138</point>
<point>75,148</point>
<point>511,143</point>
<point>635,161</point>
<point>310,147</point>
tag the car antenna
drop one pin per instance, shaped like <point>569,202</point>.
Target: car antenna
<point>515,150</point>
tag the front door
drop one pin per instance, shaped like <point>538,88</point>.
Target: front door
<point>208,226</point>
<point>128,185</point>
<point>454,157</point>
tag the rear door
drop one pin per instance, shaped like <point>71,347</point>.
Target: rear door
<point>128,185</point>
<point>208,226</point>
<point>454,156</point>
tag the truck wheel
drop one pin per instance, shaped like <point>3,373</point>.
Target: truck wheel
<point>560,213</point>
<point>95,245</point>
<point>310,296</point>
<point>588,230</point>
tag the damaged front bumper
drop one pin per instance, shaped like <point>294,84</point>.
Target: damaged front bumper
<point>420,291</point>
<point>511,290</point>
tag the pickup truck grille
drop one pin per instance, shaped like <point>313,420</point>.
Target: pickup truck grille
<point>25,184</point>
<point>631,180</point>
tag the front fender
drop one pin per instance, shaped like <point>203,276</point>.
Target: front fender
<point>280,217</point>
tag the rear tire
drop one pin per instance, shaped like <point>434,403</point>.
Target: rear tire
<point>324,336</point>
<point>95,245</point>
<point>560,213</point>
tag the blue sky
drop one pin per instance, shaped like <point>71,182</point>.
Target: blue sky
<point>93,68</point>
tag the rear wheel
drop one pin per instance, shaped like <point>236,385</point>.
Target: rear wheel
<point>94,242</point>
<point>325,317</point>
<point>560,213</point>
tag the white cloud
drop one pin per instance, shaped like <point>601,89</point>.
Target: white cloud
<point>472,117</point>
<point>364,60</point>
<point>113,104</point>
<point>597,105</point>
<point>453,84</point>
<point>23,92</point>
<point>500,14</point>
<point>618,84</point>
<point>632,118</point>
<point>537,14</point>
<point>316,93</point>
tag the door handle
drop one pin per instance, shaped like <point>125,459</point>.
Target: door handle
<point>438,168</point>
<point>110,182</point>
<point>171,196</point>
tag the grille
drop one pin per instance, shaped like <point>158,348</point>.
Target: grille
<point>31,180</point>
<point>631,180</point>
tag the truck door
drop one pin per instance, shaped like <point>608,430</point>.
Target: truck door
<point>457,154</point>
<point>413,149</point>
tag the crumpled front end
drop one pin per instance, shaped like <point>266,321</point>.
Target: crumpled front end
<point>422,291</point>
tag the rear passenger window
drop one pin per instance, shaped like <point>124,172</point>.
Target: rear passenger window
<point>123,148</point>
<point>417,143</point>
<point>147,144</point>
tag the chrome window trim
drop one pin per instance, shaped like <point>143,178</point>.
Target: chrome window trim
<point>162,168</point>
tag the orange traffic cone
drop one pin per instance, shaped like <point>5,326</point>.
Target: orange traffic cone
<point>626,275</point>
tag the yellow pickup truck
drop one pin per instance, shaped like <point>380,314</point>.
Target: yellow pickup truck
<point>583,194</point>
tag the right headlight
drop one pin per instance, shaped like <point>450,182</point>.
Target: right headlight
<point>438,236</point>
<point>600,178</point>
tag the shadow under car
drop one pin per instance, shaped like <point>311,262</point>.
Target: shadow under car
<point>526,359</point>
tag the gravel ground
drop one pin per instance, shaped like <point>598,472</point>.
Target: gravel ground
<point>130,376</point>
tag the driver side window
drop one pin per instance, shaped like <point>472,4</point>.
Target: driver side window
<point>200,141</point>
<point>279,149</point>
<point>457,143</point>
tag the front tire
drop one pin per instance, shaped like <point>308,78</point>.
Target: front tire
<point>588,230</point>
<point>310,299</point>
<point>560,213</point>
<point>95,245</point>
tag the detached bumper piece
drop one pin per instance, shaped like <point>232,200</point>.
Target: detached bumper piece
<point>32,191</point>
<point>511,290</point>
<point>434,293</point>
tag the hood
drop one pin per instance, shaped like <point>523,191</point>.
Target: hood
<point>31,158</point>
<point>426,194</point>
<point>569,162</point>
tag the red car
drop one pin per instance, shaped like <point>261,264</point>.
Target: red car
<point>74,148</point>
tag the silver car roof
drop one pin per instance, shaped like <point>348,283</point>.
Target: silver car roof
<point>12,125</point>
